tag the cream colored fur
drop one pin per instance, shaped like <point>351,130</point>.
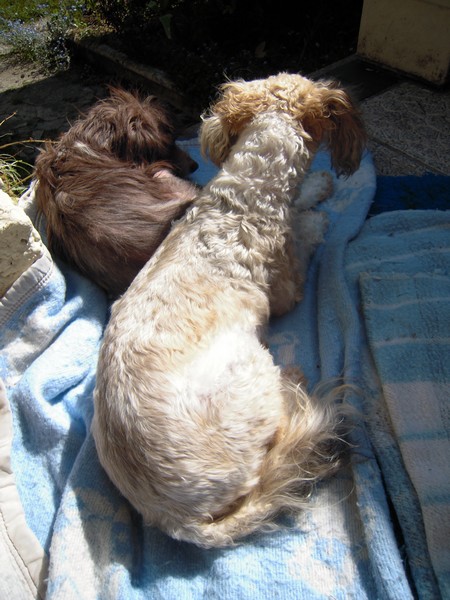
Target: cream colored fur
<point>194,423</point>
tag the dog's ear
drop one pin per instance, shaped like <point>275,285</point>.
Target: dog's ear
<point>238,103</point>
<point>338,122</point>
<point>215,139</point>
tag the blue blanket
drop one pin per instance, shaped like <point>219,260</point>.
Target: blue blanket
<point>400,264</point>
<point>347,545</point>
<point>411,192</point>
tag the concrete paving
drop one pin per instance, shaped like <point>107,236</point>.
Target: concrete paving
<point>408,121</point>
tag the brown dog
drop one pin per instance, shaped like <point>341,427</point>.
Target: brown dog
<point>111,186</point>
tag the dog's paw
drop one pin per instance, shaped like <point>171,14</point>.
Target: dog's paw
<point>310,227</point>
<point>316,187</point>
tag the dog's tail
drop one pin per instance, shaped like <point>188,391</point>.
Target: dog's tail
<point>308,448</point>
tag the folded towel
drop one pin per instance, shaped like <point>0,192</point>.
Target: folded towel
<point>401,265</point>
<point>50,329</point>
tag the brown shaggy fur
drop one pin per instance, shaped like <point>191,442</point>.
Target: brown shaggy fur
<point>111,186</point>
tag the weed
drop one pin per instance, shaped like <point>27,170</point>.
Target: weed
<point>27,10</point>
<point>14,172</point>
<point>28,42</point>
<point>14,175</point>
<point>43,38</point>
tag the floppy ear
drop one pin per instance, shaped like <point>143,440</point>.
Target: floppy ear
<point>237,105</point>
<point>339,124</point>
<point>215,139</point>
<point>346,139</point>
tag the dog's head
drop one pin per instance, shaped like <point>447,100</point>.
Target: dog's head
<point>322,110</point>
<point>139,130</point>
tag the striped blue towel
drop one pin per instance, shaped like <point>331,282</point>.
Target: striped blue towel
<point>401,264</point>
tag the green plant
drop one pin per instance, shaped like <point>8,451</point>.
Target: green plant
<point>14,172</point>
<point>27,10</point>
<point>57,55</point>
<point>27,41</point>
<point>162,9</point>
<point>134,15</point>
<point>40,32</point>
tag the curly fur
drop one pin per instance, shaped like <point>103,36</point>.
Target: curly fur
<point>111,186</point>
<point>194,423</point>
<point>326,113</point>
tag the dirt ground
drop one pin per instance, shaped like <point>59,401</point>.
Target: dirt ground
<point>13,74</point>
<point>35,106</point>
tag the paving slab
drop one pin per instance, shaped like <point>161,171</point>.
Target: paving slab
<point>409,129</point>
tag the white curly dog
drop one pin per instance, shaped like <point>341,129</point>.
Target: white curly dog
<point>194,423</point>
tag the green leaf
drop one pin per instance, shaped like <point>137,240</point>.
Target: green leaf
<point>166,21</point>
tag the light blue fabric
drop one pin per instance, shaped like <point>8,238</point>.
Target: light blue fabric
<point>50,328</point>
<point>327,341</point>
<point>400,264</point>
<point>345,547</point>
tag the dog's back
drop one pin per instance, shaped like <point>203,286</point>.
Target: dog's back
<point>194,423</point>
